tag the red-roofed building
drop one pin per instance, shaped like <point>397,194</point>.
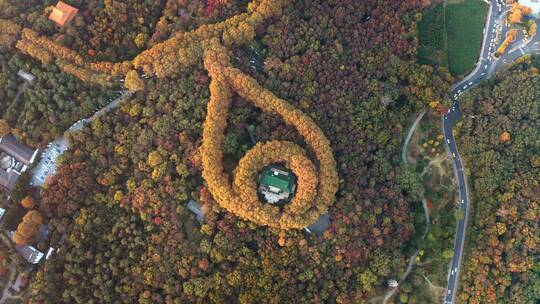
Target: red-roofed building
<point>63,13</point>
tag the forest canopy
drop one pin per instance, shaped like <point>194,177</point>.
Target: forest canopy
<point>118,200</point>
<point>499,143</point>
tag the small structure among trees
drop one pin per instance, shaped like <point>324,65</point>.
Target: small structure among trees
<point>320,225</point>
<point>277,184</point>
<point>63,13</point>
<point>195,207</point>
<point>26,76</point>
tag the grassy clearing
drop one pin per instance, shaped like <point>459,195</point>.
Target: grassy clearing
<point>450,35</point>
<point>432,38</point>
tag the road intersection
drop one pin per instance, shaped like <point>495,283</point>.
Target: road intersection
<point>495,28</point>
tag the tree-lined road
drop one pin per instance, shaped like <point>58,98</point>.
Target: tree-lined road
<point>494,33</point>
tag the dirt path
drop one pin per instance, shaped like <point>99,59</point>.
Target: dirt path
<point>409,136</point>
<point>412,259</point>
<point>436,290</point>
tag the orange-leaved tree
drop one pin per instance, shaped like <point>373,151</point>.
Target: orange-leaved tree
<point>28,228</point>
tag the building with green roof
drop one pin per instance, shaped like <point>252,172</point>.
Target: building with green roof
<point>277,184</point>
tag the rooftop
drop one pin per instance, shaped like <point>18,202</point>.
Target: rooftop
<point>276,184</point>
<point>20,152</point>
<point>195,207</point>
<point>14,159</point>
<point>8,179</point>
<point>26,76</point>
<point>29,253</point>
<point>63,13</point>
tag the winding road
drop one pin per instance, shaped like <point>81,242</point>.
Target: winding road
<point>487,64</point>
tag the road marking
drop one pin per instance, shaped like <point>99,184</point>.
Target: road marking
<point>522,52</point>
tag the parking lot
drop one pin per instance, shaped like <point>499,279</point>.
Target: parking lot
<point>49,156</point>
<point>47,164</point>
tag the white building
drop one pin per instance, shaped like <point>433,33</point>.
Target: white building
<point>26,76</point>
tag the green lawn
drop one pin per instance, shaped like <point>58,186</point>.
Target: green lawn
<point>432,37</point>
<point>464,26</point>
<point>451,35</point>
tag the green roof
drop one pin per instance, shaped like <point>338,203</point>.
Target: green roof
<point>277,178</point>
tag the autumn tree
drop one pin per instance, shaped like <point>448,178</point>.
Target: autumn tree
<point>505,186</point>
<point>28,228</point>
<point>59,205</point>
<point>5,129</point>
<point>505,136</point>
<point>8,33</point>
<point>133,82</point>
<point>517,12</point>
<point>28,202</point>
<point>531,28</point>
<point>510,36</point>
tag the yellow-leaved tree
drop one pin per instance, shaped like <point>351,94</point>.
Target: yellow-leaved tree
<point>133,82</point>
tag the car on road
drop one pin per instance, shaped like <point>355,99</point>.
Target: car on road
<point>463,201</point>
<point>449,290</point>
<point>470,83</point>
<point>465,87</point>
<point>448,140</point>
<point>454,154</point>
<point>452,272</point>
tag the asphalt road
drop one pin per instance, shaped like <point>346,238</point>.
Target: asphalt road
<point>487,64</point>
<point>494,34</point>
<point>449,121</point>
